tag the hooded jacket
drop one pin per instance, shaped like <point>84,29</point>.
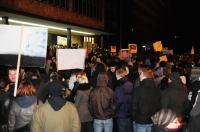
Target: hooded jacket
<point>46,119</point>
<point>101,100</point>
<point>21,112</point>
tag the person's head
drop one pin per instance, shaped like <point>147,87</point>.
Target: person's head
<point>82,79</point>
<point>74,78</point>
<point>3,83</point>
<point>166,118</point>
<point>144,73</point>
<point>12,72</point>
<point>120,73</point>
<point>26,88</point>
<point>112,69</point>
<point>102,79</point>
<point>55,89</point>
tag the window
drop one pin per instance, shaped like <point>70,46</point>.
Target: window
<point>91,8</point>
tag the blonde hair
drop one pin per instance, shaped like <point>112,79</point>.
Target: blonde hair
<point>82,79</point>
<point>121,72</point>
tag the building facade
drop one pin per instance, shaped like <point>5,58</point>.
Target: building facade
<point>82,18</point>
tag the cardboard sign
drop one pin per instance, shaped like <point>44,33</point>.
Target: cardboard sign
<point>124,54</point>
<point>113,49</point>
<point>31,42</point>
<point>163,58</point>
<point>158,46</point>
<point>70,59</point>
<point>192,51</point>
<point>170,52</point>
<point>132,48</point>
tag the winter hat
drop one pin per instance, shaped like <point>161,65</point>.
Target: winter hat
<point>164,117</point>
<point>55,90</point>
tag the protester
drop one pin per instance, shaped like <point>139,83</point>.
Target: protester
<point>166,120</point>
<point>102,104</point>
<point>56,115</point>
<point>123,95</point>
<point>12,72</point>
<point>22,108</point>
<point>81,102</point>
<point>146,101</point>
<point>175,96</point>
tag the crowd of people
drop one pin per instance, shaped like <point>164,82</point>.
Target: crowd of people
<point>110,95</point>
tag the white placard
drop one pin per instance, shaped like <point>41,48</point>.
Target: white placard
<point>34,40</point>
<point>70,59</point>
<point>30,42</point>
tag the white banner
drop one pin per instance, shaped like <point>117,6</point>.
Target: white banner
<point>70,59</point>
<point>31,42</point>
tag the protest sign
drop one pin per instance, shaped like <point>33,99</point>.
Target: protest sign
<point>30,42</point>
<point>70,59</point>
<point>132,48</point>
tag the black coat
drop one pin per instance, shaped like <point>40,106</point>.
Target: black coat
<point>194,124</point>
<point>146,101</point>
<point>175,98</point>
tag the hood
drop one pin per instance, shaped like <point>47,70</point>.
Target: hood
<point>25,101</point>
<point>56,102</point>
<point>102,80</point>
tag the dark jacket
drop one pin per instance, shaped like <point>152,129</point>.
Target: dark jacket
<point>175,98</point>
<point>146,101</point>
<point>193,92</point>
<point>194,124</point>
<point>112,80</point>
<point>123,94</point>
<point>81,102</point>
<point>101,100</point>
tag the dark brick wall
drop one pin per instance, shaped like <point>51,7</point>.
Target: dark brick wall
<point>40,9</point>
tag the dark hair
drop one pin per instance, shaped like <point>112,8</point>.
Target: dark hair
<point>3,83</point>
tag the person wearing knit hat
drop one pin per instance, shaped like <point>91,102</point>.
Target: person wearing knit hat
<point>165,120</point>
<point>55,91</point>
<point>56,114</point>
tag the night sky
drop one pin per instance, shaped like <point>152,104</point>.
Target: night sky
<point>172,21</point>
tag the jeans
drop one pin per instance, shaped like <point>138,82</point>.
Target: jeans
<point>142,127</point>
<point>124,125</point>
<point>103,125</point>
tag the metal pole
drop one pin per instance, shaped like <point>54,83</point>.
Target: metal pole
<point>5,20</point>
<point>69,38</point>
